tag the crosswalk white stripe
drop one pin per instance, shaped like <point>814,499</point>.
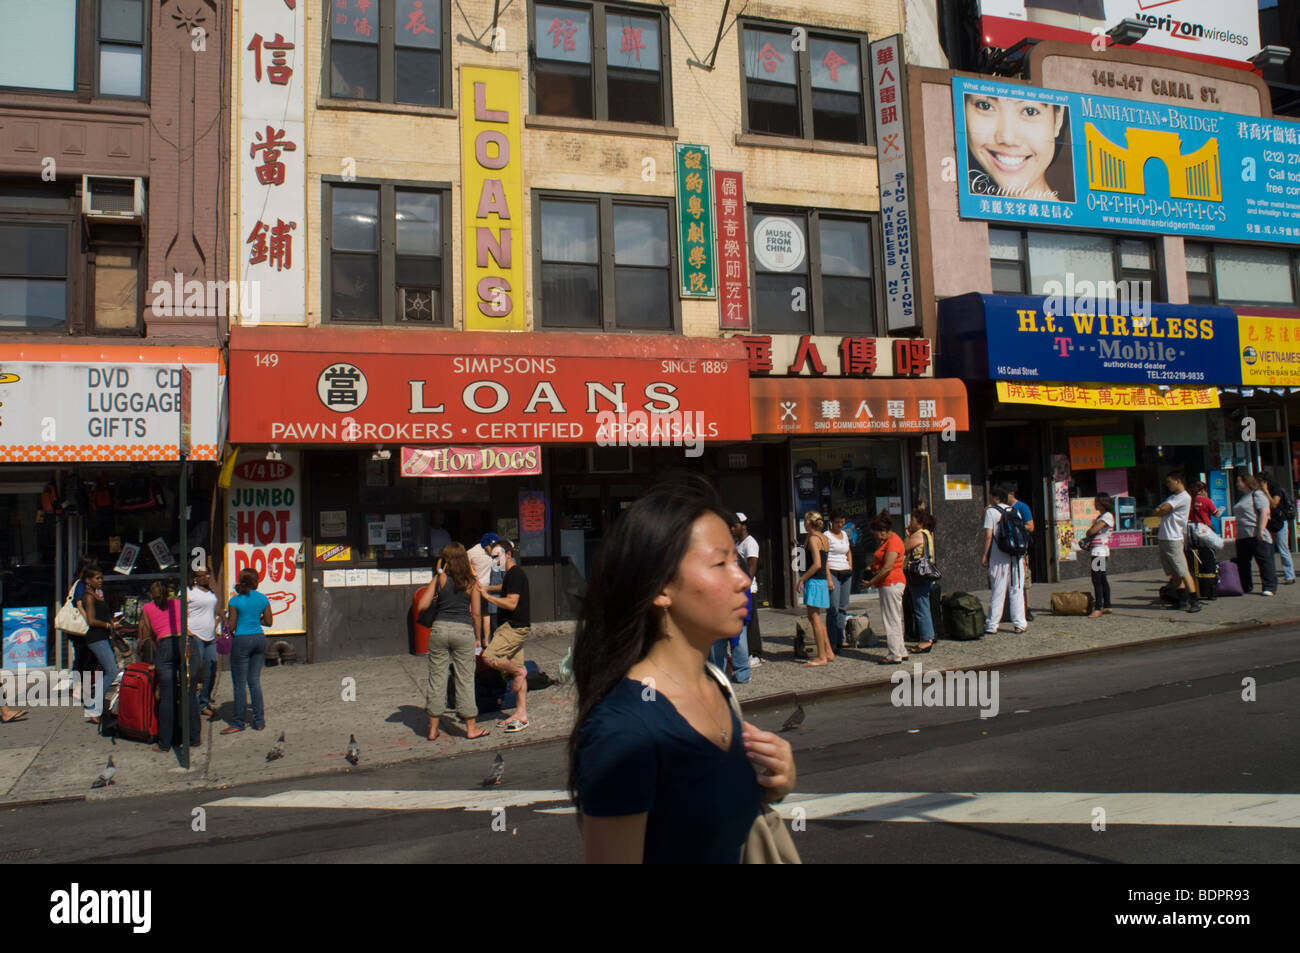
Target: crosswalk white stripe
<point>1005,807</point>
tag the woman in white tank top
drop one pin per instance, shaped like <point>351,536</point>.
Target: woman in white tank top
<point>839,561</point>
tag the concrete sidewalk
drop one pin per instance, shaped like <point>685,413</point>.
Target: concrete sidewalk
<point>55,753</point>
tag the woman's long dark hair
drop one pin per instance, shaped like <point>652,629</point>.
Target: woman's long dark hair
<point>247,581</point>
<point>619,622</point>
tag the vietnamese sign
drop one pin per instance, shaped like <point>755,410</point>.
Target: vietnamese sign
<point>1270,351</point>
<point>471,461</point>
<point>1216,29</point>
<point>1025,340</point>
<point>264,532</point>
<point>895,187</point>
<point>373,386</point>
<point>272,154</point>
<point>493,195</point>
<point>1040,156</point>
<point>733,250</point>
<point>695,227</point>
<point>122,410</point>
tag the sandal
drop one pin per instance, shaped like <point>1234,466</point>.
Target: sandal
<point>892,661</point>
<point>921,651</point>
<point>484,731</point>
<point>16,716</point>
<point>814,664</point>
<point>230,730</point>
<point>514,724</point>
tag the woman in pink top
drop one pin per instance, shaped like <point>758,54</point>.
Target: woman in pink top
<point>161,621</point>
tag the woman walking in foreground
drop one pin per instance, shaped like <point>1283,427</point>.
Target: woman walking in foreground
<point>659,767</point>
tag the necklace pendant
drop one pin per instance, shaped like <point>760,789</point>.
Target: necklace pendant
<point>724,737</point>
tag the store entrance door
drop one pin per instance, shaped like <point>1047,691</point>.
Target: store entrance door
<point>585,513</point>
<point>1014,458</point>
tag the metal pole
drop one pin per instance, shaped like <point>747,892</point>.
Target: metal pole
<point>184,633</point>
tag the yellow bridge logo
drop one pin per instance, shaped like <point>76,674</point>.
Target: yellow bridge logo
<point>1113,168</point>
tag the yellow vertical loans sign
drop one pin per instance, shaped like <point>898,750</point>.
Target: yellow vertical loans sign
<point>493,195</point>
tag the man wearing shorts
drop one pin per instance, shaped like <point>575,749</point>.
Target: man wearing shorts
<point>505,652</point>
<point>1173,513</point>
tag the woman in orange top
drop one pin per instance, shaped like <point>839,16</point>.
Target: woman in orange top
<point>888,578</point>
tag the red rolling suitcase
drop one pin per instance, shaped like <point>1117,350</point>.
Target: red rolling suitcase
<point>137,715</point>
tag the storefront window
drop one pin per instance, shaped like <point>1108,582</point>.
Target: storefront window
<point>858,478</point>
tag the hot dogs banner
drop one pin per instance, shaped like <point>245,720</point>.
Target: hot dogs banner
<point>1042,156</point>
<point>264,533</point>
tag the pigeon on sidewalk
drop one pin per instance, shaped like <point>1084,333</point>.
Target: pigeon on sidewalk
<point>498,771</point>
<point>796,717</point>
<point>353,754</point>
<point>106,776</point>
<point>277,749</point>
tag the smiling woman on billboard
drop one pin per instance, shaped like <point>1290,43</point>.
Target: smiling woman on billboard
<point>1019,148</point>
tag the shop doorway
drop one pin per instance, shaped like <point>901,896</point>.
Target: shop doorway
<point>1014,458</point>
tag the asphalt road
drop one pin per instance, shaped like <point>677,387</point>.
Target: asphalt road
<point>1167,722</point>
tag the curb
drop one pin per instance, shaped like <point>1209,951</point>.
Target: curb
<point>780,699</point>
<point>37,802</point>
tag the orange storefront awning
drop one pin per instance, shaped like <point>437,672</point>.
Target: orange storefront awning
<point>842,407</point>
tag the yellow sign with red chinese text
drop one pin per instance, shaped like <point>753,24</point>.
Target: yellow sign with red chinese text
<point>1108,396</point>
<point>493,195</point>
<point>1270,351</point>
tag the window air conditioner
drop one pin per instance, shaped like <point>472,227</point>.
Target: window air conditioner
<point>107,198</point>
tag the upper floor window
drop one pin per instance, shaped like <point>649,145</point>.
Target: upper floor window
<point>38,45</point>
<point>606,262</point>
<point>388,255</point>
<point>36,235</point>
<point>1240,274</point>
<point>1024,261</point>
<point>389,51</point>
<point>813,272</point>
<point>599,61</point>
<point>817,92</point>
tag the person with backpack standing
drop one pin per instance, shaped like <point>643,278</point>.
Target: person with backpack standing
<point>1173,513</point>
<point>1202,551</point>
<point>160,620</point>
<point>1005,543</point>
<point>1027,517</point>
<point>920,558</point>
<point>1279,525</point>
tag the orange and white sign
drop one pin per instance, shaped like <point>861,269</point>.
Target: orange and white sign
<point>471,461</point>
<point>264,533</point>
<point>79,403</point>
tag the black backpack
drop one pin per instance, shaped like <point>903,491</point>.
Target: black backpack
<point>1285,510</point>
<point>1011,536</point>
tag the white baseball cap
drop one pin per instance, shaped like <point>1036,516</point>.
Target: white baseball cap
<point>741,518</point>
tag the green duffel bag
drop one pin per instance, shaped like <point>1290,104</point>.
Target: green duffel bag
<point>963,617</point>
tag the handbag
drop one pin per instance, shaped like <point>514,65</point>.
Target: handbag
<point>922,567</point>
<point>430,615</point>
<point>225,639</point>
<point>70,618</point>
<point>769,840</point>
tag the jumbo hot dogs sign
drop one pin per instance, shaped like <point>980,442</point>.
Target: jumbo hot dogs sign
<point>264,533</point>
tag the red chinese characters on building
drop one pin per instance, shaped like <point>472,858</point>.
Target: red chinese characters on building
<point>858,357</point>
<point>759,348</point>
<point>278,72</point>
<point>270,144</point>
<point>416,23</point>
<point>833,61</point>
<point>272,245</point>
<point>631,42</point>
<point>733,256</point>
<point>769,58</point>
<point>887,89</point>
<point>809,355</point>
<point>911,357</point>
<point>562,33</point>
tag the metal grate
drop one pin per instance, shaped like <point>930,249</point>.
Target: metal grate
<point>111,195</point>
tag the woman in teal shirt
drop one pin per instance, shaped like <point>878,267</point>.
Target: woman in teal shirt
<point>246,613</point>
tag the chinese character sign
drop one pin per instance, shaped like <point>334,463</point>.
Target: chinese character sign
<point>1270,350</point>
<point>888,84</point>
<point>493,194</point>
<point>272,154</point>
<point>695,211</point>
<point>733,251</point>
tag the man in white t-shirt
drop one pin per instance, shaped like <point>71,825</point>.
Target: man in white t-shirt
<point>480,564</point>
<point>1173,513</point>
<point>747,549</point>
<point>1005,578</point>
<point>201,617</point>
